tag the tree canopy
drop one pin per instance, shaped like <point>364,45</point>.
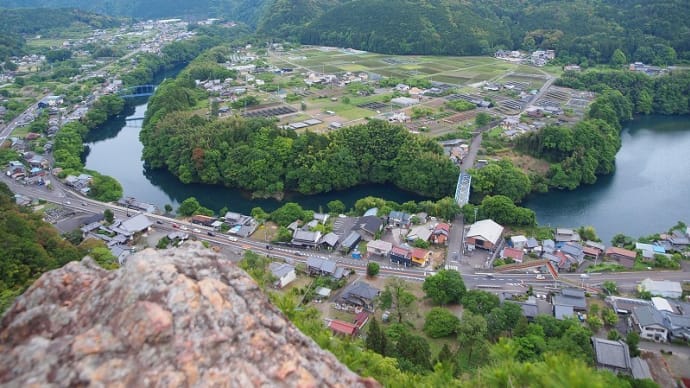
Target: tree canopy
<point>445,287</point>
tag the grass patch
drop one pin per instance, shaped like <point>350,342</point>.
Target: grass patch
<point>606,267</point>
<point>353,67</point>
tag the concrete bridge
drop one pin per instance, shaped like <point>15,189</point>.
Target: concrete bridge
<point>137,91</point>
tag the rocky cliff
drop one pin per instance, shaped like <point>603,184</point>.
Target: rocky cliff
<point>184,317</point>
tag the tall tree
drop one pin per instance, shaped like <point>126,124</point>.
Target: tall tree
<point>472,332</point>
<point>445,287</point>
<point>376,338</point>
<point>397,296</point>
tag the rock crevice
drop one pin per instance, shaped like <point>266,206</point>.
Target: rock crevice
<point>183,317</point>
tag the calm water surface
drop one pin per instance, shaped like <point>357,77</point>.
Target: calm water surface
<point>648,193</point>
<point>115,150</point>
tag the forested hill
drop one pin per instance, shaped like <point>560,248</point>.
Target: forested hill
<point>42,20</point>
<point>247,11</point>
<point>582,31</point>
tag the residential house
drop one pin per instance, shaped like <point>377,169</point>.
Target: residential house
<point>514,254</point>
<point>350,242</point>
<point>574,253</point>
<point>329,241</point>
<point>678,326</point>
<point>649,250</point>
<point>369,227</point>
<point>574,297</point>
<point>613,356</point>
<point>420,256</point>
<point>133,203</point>
<point>285,273</point>
<point>232,218</point>
<point>562,312</point>
<point>626,305</point>
<point>419,232</point>
<point>650,322</point>
<point>379,248</point>
<point>343,328</point>
<point>321,267</point>
<point>321,217</point>
<point>548,246</point>
<point>371,212</point>
<point>624,257</point>
<point>200,219</point>
<point>531,244</point>
<point>137,224</point>
<point>484,234</point>
<point>440,233</point>
<point>518,241</point>
<point>361,319</point>
<point>593,250</point>
<point>535,306</point>
<point>399,219</point>
<point>665,288</point>
<point>679,239</point>
<point>401,255</point>
<point>564,235</point>
<point>359,294</point>
<point>305,238</point>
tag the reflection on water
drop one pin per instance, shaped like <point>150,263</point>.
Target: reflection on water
<point>649,192</point>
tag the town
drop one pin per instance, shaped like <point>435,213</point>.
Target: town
<point>342,261</point>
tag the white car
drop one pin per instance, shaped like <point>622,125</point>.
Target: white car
<point>184,227</point>
<point>540,277</point>
<point>233,239</point>
<point>196,230</point>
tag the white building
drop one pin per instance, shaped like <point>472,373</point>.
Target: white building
<point>664,288</point>
<point>284,272</point>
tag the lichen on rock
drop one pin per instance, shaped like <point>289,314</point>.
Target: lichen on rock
<point>182,317</point>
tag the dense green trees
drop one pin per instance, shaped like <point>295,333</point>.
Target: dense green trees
<point>501,178</point>
<point>256,155</point>
<point>579,154</point>
<point>29,247</point>
<point>440,322</point>
<point>373,268</point>
<point>444,287</point>
<point>105,188</point>
<point>502,210</point>
<point>480,302</point>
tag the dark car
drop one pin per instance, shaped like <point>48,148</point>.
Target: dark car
<point>159,222</point>
<point>211,234</point>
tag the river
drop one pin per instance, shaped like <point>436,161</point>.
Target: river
<point>648,193</point>
<point>114,149</point>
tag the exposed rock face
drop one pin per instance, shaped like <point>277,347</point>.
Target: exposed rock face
<point>184,317</point>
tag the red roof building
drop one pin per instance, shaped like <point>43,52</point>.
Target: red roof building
<point>361,319</point>
<point>342,327</point>
<point>513,253</point>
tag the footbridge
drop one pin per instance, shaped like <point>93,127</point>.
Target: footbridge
<point>137,91</point>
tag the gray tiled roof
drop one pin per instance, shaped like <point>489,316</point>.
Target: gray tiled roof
<point>648,315</point>
<point>563,312</point>
<point>614,354</point>
<point>280,269</point>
